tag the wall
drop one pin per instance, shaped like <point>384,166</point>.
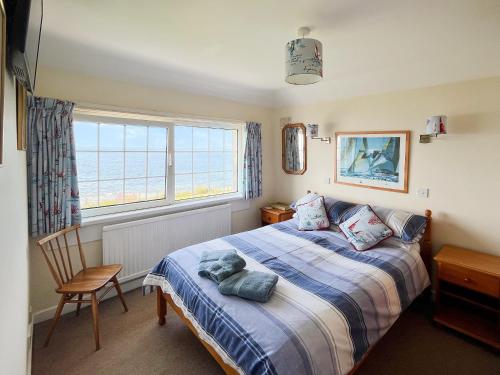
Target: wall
<point>85,89</point>
<point>461,169</point>
<point>14,245</point>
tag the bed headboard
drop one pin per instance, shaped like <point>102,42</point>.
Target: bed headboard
<point>425,242</point>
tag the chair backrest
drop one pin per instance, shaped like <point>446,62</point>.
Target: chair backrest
<point>59,262</point>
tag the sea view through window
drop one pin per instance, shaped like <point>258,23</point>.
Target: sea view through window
<point>121,164</point>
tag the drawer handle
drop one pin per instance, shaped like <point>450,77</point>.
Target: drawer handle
<point>467,280</point>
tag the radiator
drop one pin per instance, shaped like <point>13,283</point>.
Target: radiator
<point>139,245</point>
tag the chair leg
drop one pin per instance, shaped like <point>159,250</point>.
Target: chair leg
<point>57,315</point>
<point>95,316</point>
<point>119,291</point>
<point>80,296</point>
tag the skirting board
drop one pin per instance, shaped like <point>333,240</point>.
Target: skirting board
<point>48,313</point>
<point>30,348</point>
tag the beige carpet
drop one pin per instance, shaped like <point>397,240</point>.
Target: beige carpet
<point>133,343</point>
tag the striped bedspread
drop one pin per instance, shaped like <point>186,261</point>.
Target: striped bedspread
<point>331,303</point>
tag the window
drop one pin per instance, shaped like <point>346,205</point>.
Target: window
<point>128,163</point>
<point>120,164</point>
<point>206,161</point>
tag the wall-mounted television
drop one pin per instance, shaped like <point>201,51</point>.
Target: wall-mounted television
<point>24,30</point>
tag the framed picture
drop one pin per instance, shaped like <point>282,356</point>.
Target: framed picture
<point>375,160</point>
<point>21,116</point>
<point>3,51</point>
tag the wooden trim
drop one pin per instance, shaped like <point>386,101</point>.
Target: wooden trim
<point>471,259</point>
<point>479,274</point>
<point>407,134</point>
<point>304,169</point>
<point>51,267</point>
<point>363,359</point>
<point>57,234</point>
<point>161,307</point>
<point>82,255</point>
<point>165,297</point>
<point>426,243</point>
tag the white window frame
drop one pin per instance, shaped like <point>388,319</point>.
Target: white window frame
<point>110,117</point>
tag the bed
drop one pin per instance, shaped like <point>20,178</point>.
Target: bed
<point>330,307</point>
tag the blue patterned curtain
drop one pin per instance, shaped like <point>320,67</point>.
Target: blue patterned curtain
<point>292,149</point>
<point>252,163</point>
<point>53,200</point>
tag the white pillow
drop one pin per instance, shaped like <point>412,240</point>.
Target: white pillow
<point>312,215</point>
<point>305,199</point>
<point>365,229</point>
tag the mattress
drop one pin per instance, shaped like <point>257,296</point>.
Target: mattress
<point>330,305</point>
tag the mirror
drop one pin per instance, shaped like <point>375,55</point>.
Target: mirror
<point>294,148</point>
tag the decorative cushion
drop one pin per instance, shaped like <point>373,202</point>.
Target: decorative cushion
<point>312,215</point>
<point>305,199</point>
<point>364,229</point>
<point>337,211</point>
<point>405,225</point>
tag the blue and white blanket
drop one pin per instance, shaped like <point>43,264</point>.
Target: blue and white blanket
<point>331,303</point>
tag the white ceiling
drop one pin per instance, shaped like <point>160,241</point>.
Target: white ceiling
<point>235,48</point>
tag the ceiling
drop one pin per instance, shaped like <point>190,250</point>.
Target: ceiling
<point>235,49</point>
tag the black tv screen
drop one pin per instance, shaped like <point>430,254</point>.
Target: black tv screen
<point>25,25</point>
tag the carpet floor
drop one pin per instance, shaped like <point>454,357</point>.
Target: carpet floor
<point>133,342</point>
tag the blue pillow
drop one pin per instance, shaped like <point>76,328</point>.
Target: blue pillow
<point>340,211</point>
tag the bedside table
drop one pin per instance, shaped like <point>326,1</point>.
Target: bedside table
<point>468,293</point>
<point>273,215</point>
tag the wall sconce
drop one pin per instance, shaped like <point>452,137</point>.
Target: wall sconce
<point>313,133</point>
<point>435,125</point>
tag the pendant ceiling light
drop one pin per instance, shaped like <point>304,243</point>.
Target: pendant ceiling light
<point>304,59</point>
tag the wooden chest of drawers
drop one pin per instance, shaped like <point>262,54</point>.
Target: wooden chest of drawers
<point>272,215</point>
<point>468,293</point>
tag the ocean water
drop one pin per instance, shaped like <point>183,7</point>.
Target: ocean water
<point>131,163</point>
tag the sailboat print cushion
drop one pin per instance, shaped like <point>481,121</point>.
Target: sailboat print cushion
<point>312,215</point>
<point>364,229</point>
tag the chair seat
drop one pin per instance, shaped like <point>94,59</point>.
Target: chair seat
<point>91,279</point>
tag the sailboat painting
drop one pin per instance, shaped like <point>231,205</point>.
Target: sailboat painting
<point>376,160</point>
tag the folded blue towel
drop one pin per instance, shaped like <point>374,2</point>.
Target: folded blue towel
<point>254,285</point>
<point>219,264</point>
<point>215,255</point>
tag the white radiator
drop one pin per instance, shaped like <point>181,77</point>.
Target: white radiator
<point>139,245</point>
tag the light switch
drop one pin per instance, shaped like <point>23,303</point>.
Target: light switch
<point>326,180</point>
<point>423,192</point>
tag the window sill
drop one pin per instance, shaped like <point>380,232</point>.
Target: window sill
<point>154,211</point>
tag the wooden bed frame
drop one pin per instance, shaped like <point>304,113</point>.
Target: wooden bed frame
<point>163,298</point>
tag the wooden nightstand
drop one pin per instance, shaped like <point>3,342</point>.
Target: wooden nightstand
<point>273,215</point>
<point>468,293</point>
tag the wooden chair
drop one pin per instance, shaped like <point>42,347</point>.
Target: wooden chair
<point>89,280</point>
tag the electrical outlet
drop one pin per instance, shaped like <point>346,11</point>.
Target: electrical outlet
<point>423,192</point>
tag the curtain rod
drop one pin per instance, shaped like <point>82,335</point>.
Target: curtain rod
<point>91,108</point>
